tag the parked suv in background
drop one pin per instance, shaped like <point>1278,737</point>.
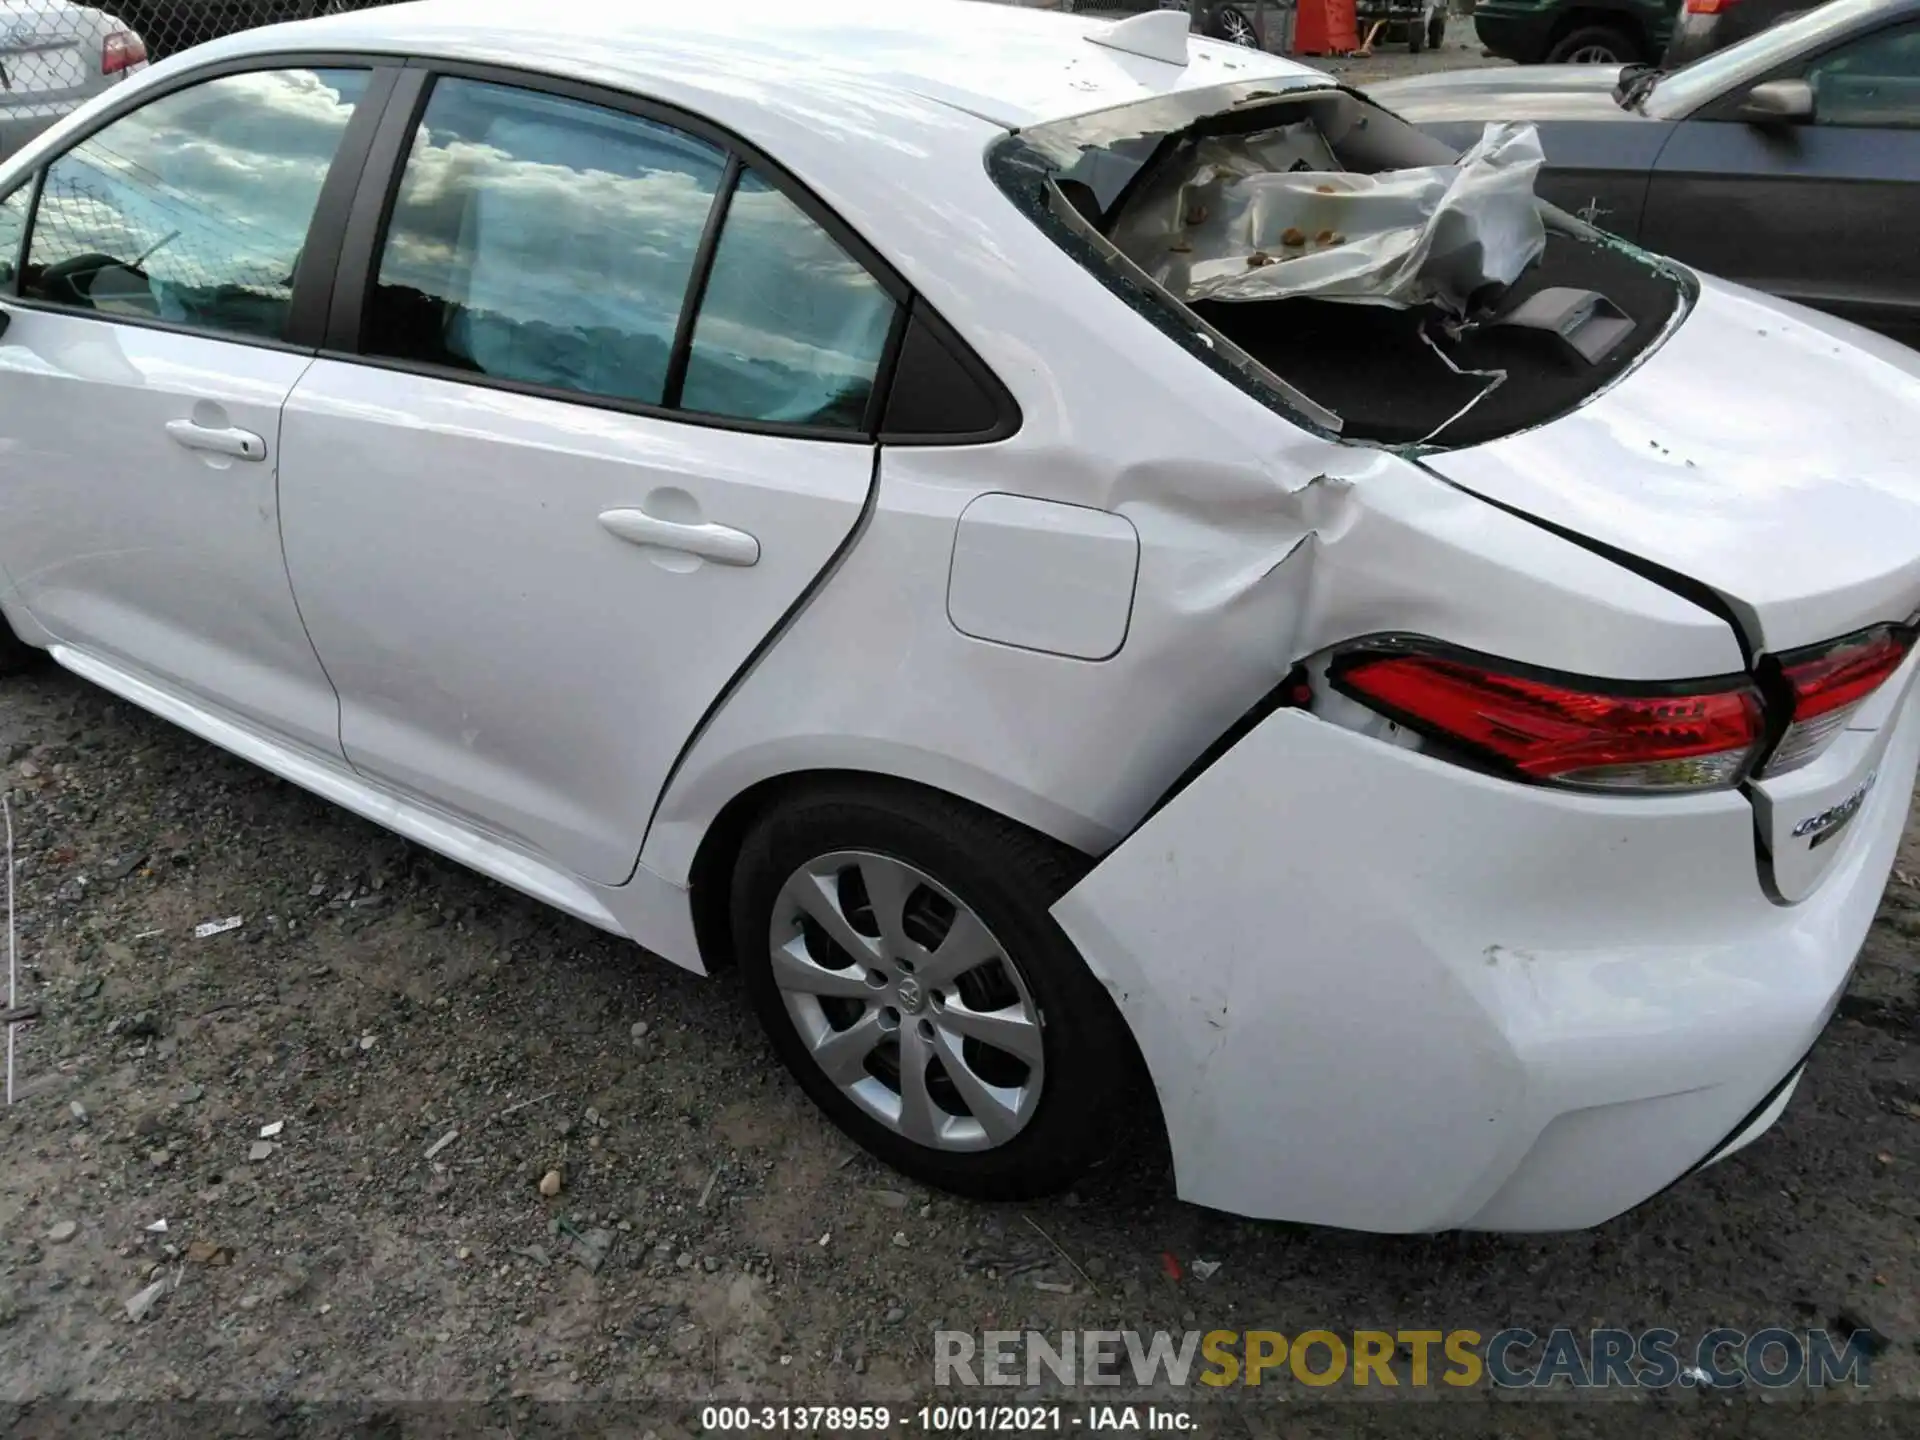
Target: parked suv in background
<point>1708,25</point>
<point>1580,32</point>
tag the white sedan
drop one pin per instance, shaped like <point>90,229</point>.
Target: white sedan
<point>818,488</point>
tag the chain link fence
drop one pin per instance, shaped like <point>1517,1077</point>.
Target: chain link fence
<point>53,39</point>
<point>54,54</point>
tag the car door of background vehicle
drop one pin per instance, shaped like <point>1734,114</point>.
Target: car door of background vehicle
<point>1596,169</point>
<point>1822,212</point>
<point>608,417</point>
<point>141,378</point>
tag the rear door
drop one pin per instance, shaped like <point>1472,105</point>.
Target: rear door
<point>599,410</point>
<point>1822,212</point>
<point>148,351</point>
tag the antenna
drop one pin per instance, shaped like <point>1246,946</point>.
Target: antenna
<point>1152,35</point>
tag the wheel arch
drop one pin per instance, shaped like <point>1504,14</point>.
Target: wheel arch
<point>710,871</point>
<point>721,845</point>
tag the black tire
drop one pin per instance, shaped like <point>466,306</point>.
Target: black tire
<point>1437,30</point>
<point>1416,38</point>
<point>1009,877</point>
<point>15,654</point>
<point>1597,45</point>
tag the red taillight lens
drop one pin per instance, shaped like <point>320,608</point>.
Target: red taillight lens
<point>121,50</point>
<point>1828,685</point>
<point>1709,7</point>
<point>1589,733</point>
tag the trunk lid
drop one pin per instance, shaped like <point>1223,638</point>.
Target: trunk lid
<point>1769,454</point>
<point>1765,451</point>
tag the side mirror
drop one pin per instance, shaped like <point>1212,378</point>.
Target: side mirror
<point>1778,102</point>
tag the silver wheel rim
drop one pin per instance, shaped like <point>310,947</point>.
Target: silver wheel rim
<point>1593,55</point>
<point>1238,30</point>
<point>906,1001</point>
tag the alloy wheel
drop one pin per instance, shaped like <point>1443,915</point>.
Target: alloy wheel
<point>1236,29</point>
<point>907,1002</point>
<point>1593,55</point>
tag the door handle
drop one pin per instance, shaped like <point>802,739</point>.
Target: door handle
<point>228,440</point>
<point>720,543</point>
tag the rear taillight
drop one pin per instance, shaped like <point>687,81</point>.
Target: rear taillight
<point>1559,729</point>
<point>121,51</point>
<point>1827,684</point>
<point>1709,7</point>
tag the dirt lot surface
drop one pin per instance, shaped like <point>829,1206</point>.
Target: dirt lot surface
<point>713,1237</point>
<point>1460,52</point>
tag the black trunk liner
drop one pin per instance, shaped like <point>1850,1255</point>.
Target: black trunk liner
<point>1368,364</point>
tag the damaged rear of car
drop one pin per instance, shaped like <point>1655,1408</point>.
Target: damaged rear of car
<point>1531,886</point>
<point>1369,280</point>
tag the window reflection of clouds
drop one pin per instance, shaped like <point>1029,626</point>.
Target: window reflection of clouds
<point>549,241</point>
<point>791,327</point>
<point>555,238</point>
<point>235,165</point>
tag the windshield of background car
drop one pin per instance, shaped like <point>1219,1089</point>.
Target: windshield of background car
<point>1678,95</point>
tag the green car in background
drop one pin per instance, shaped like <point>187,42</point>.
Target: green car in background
<point>1579,32</point>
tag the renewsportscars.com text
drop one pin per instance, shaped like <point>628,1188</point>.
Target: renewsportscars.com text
<point>1772,1358</point>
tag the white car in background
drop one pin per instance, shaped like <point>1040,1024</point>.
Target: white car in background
<point>53,56</point>
<point>746,478</point>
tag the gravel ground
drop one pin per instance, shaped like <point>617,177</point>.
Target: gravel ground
<point>1460,52</point>
<point>711,1237</point>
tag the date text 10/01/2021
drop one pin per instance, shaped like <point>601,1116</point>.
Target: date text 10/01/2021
<point>938,1419</point>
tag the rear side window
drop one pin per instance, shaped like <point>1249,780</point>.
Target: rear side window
<point>544,241</point>
<point>193,209</point>
<point>549,242</point>
<point>791,327</point>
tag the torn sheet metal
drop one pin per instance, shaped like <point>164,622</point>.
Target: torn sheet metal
<point>1269,216</point>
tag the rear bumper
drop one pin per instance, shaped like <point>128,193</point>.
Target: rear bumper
<point>1383,992</point>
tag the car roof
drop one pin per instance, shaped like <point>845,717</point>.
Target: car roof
<point>1006,64</point>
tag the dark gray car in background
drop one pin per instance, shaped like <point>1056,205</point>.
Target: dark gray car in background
<point>1789,162</point>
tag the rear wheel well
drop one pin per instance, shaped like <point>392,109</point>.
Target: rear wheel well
<point>1621,20</point>
<point>710,886</point>
<point>710,880</point>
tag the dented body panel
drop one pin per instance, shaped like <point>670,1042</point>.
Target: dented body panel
<point>1378,992</point>
<point>1262,539</point>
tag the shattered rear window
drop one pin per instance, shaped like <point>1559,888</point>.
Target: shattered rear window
<point>1350,271</point>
